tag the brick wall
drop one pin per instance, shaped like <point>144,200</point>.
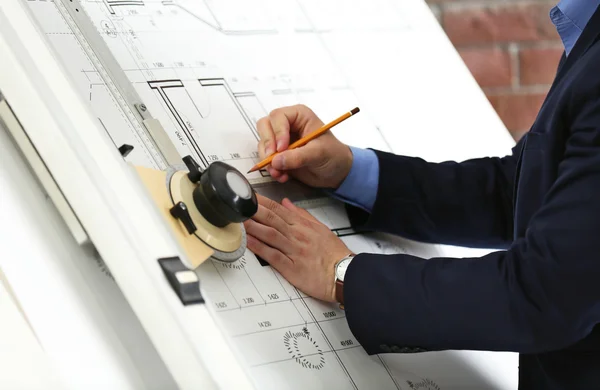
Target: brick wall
<point>512,49</point>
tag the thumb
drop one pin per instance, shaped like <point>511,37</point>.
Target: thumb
<point>293,159</point>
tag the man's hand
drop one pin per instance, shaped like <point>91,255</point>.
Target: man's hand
<point>297,245</point>
<point>323,162</point>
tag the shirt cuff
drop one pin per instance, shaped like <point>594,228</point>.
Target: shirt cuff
<point>359,188</point>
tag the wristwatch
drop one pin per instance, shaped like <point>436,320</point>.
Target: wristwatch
<point>340,272</point>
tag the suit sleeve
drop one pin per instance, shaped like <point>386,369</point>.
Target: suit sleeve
<point>538,295</point>
<point>466,204</point>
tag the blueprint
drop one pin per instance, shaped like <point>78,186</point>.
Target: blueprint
<point>208,70</point>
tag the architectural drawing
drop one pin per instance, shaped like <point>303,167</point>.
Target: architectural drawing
<point>186,127</point>
<point>211,121</point>
<point>208,70</point>
<point>251,106</point>
<point>115,3</point>
<point>220,16</point>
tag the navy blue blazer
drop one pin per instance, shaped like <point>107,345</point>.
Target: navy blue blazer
<point>540,294</point>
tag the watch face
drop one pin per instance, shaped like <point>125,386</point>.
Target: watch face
<point>340,270</point>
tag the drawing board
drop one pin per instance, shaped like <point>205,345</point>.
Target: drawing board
<point>208,70</point>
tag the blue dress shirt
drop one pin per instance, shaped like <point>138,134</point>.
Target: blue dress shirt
<point>570,18</point>
<point>360,186</point>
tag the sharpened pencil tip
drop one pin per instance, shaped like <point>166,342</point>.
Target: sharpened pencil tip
<point>354,110</point>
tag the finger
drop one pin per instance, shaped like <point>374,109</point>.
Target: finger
<point>302,212</point>
<point>280,123</point>
<point>297,158</point>
<point>268,217</point>
<point>271,213</point>
<point>268,235</point>
<point>279,176</point>
<point>297,119</point>
<point>275,173</point>
<point>276,259</point>
<point>266,146</point>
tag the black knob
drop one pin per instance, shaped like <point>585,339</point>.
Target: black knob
<point>194,168</point>
<point>181,212</point>
<point>224,196</point>
<point>125,149</point>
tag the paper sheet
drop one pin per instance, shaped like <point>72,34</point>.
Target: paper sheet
<point>208,70</point>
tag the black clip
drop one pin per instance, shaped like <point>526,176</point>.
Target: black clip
<point>195,171</point>
<point>181,212</point>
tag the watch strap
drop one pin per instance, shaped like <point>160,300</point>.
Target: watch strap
<point>339,285</point>
<point>339,291</point>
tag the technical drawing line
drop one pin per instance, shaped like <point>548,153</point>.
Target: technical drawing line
<point>267,330</point>
<point>194,103</point>
<point>389,372</point>
<point>278,276</point>
<point>212,14</point>
<point>256,288</point>
<point>228,289</point>
<point>124,2</point>
<point>220,82</point>
<point>310,354</point>
<point>256,304</point>
<point>115,3</point>
<point>298,298</point>
<point>216,25</point>
<point>238,95</point>
<point>327,340</point>
<point>299,313</point>
<point>244,94</point>
<point>279,280</point>
<point>160,87</point>
<point>260,304</point>
<point>129,46</point>
<point>250,95</point>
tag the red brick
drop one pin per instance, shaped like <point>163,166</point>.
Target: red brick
<point>538,66</point>
<point>512,22</point>
<point>491,67</point>
<point>517,111</point>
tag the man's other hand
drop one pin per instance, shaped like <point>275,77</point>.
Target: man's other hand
<point>324,162</point>
<point>302,249</point>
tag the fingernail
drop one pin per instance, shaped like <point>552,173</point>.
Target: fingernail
<point>280,145</point>
<point>278,162</point>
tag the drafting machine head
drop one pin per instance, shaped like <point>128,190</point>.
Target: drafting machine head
<point>204,209</point>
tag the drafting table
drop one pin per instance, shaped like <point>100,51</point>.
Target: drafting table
<point>81,238</point>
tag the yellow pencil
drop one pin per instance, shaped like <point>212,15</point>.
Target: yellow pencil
<point>304,140</point>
